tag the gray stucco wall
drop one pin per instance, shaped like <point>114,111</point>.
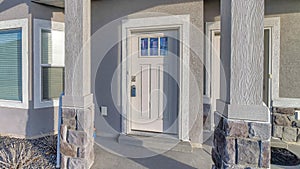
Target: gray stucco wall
<point>106,30</point>
<point>289,13</point>
<point>42,120</point>
<point>28,122</point>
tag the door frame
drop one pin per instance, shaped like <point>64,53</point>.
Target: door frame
<point>273,25</point>
<point>180,23</point>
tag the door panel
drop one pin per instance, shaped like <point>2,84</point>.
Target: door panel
<point>145,84</point>
<point>154,67</point>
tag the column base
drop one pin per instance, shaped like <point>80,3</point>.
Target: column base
<point>241,144</point>
<point>244,112</point>
<point>76,136</point>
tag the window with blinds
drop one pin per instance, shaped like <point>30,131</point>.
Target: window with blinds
<point>52,73</point>
<point>11,64</point>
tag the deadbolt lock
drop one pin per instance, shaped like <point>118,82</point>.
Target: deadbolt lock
<point>133,78</point>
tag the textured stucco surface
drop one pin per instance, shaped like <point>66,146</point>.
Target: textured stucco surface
<point>242,57</point>
<point>246,62</point>
<point>289,13</point>
<point>28,122</point>
<point>106,19</point>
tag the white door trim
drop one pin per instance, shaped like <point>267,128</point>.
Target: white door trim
<point>179,22</point>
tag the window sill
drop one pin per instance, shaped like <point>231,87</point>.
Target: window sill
<point>286,102</point>
<point>46,104</point>
<point>13,104</point>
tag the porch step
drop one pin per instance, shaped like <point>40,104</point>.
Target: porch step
<point>158,143</point>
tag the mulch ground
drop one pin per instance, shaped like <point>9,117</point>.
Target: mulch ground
<point>283,157</point>
<point>28,153</point>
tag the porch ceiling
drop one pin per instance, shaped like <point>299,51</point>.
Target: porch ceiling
<point>56,3</point>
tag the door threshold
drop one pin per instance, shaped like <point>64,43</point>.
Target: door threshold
<point>155,142</point>
<point>153,134</point>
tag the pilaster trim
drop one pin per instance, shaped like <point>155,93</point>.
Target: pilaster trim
<point>78,102</point>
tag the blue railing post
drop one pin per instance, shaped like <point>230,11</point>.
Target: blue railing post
<point>58,130</point>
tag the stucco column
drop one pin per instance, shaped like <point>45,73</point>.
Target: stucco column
<point>242,133</point>
<point>78,107</point>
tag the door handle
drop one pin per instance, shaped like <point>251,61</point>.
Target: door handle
<point>133,91</point>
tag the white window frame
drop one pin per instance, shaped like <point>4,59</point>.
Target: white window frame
<point>23,24</point>
<point>181,23</point>
<point>40,25</point>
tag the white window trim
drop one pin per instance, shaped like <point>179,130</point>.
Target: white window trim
<point>180,22</point>
<point>211,28</point>
<point>273,24</point>
<point>23,24</point>
<point>40,25</point>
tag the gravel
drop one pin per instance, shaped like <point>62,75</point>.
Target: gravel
<point>28,153</point>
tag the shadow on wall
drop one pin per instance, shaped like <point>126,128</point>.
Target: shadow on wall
<point>32,122</point>
<point>128,7</point>
<point>8,4</point>
<point>106,20</point>
<point>41,122</point>
<point>103,89</point>
<point>272,7</point>
<point>103,13</point>
<point>282,7</point>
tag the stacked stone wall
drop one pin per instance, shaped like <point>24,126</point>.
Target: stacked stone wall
<point>285,125</point>
<point>241,144</point>
<point>76,138</point>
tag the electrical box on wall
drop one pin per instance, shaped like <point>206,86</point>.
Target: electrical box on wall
<point>103,110</point>
<point>297,114</point>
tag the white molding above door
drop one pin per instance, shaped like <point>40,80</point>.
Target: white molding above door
<point>173,22</point>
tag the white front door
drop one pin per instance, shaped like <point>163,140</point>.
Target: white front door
<point>154,81</point>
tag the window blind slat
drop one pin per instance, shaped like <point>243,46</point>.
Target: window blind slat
<point>11,64</point>
<point>52,82</point>
<point>46,47</point>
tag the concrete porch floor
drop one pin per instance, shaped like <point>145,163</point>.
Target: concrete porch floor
<point>109,154</point>
<point>107,158</point>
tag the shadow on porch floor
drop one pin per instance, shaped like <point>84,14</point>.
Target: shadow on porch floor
<point>105,158</point>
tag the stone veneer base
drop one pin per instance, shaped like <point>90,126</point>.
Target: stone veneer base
<point>240,144</point>
<point>76,136</point>
<point>285,126</point>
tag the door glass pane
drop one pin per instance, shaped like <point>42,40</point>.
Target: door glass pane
<point>144,46</point>
<point>153,46</point>
<point>11,64</point>
<point>46,47</point>
<point>52,82</point>
<point>163,46</point>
